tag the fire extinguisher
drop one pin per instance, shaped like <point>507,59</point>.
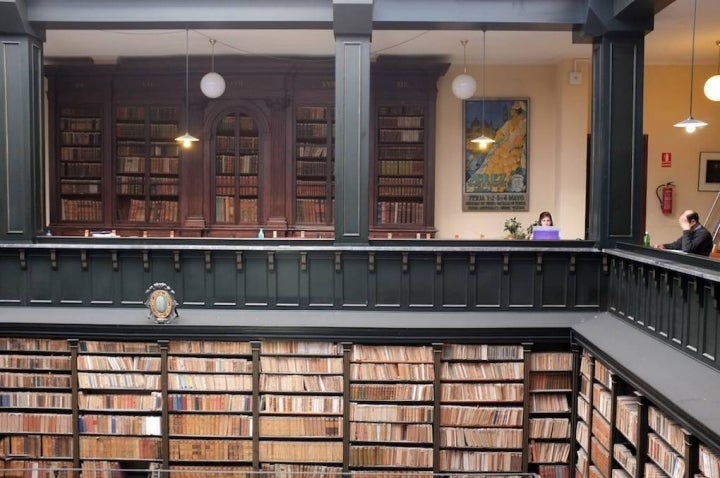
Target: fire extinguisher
<point>664,193</point>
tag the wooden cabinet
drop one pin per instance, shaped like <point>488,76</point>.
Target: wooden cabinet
<point>266,156</point>
<point>236,166</point>
<point>147,165</point>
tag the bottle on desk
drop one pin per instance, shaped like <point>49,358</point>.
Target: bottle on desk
<point>646,239</point>
<point>261,234</point>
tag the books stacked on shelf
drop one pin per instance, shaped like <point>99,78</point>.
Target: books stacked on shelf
<point>210,405</point>
<point>583,407</point>
<point>481,408</point>
<point>301,406</point>
<point>119,401</point>
<point>708,462</point>
<point>550,394</point>
<point>80,164</point>
<point>35,405</point>
<point>628,409</point>
<point>147,163</point>
<point>237,160</point>
<point>666,446</point>
<point>601,440</point>
<point>391,411</point>
<point>401,165</point>
<point>314,171</point>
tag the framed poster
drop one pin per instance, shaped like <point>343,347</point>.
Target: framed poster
<point>495,176</point>
<point>709,172</point>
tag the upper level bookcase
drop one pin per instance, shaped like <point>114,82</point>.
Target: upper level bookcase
<point>266,156</point>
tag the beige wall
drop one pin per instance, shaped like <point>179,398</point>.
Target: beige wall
<point>667,101</point>
<point>558,127</point>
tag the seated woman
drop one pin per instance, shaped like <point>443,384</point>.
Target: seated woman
<point>545,220</point>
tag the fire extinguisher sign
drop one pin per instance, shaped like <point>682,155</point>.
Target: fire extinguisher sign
<point>665,160</point>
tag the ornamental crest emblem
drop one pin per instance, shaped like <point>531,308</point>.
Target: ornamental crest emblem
<point>161,303</point>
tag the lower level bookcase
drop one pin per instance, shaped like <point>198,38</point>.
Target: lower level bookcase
<point>325,408</point>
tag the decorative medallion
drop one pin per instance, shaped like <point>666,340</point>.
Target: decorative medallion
<point>161,302</point>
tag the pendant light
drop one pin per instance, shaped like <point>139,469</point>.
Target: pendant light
<point>212,84</point>
<point>464,85</point>
<point>712,85</point>
<point>187,139</point>
<point>483,140</point>
<point>691,124</point>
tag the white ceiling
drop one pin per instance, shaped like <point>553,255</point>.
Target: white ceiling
<point>669,43</point>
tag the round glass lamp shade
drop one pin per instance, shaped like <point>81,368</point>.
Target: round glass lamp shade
<point>212,85</point>
<point>712,88</point>
<point>463,86</point>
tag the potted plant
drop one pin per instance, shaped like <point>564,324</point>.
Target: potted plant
<point>514,229</point>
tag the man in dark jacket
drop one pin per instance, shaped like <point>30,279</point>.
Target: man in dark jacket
<point>695,238</point>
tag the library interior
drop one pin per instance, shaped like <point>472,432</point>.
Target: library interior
<point>295,239</point>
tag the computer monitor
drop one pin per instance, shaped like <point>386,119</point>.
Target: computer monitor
<point>545,233</point>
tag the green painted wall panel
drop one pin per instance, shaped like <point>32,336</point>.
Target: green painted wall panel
<point>354,285</point>
<point>102,282</point>
<point>522,282</point>
<point>11,278</point>
<point>321,280</point>
<point>256,279</point>
<point>287,273</point>
<point>191,282</point>
<point>587,282</point>
<point>554,282</point>
<point>489,277</point>
<point>73,282</point>
<point>455,281</point>
<point>223,281</point>
<point>388,280</point>
<point>422,281</point>
<point>133,284</point>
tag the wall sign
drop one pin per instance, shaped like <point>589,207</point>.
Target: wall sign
<point>665,160</point>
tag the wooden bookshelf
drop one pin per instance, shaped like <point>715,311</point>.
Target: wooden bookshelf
<point>602,419</point>
<point>79,164</point>
<point>36,405</point>
<point>391,408</point>
<point>210,406</point>
<point>630,443</point>
<point>584,415</point>
<point>236,173</point>
<point>147,164</point>
<point>301,407</point>
<point>314,166</point>
<point>708,462</point>
<point>481,408</point>
<point>120,404</point>
<point>669,447</point>
<point>401,167</point>
<point>549,412</point>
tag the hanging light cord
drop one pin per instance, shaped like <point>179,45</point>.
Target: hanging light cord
<point>212,57</point>
<point>187,79</point>
<point>692,55</point>
<point>483,64</point>
<point>718,45</point>
<point>464,43</point>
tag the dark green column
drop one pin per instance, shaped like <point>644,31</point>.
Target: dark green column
<point>616,170</point>
<point>21,137</point>
<point>353,28</point>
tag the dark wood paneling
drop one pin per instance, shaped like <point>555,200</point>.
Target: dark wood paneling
<point>554,283</point>
<point>354,280</point>
<point>256,280</point>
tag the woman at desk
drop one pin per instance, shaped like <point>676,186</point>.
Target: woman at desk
<point>539,231</point>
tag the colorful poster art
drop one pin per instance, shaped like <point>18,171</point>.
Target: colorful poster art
<point>496,173</point>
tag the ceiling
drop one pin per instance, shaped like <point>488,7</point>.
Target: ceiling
<point>669,43</point>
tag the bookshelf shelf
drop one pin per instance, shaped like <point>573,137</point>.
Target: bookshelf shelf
<point>481,407</point>
<point>301,406</point>
<point>209,405</point>
<point>314,165</point>
<point>236,170</point>
<point>36,403</point>
<point>147,164</point>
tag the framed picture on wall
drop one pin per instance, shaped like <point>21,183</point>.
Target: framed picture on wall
<point>495,174</point>
<point>709,171</point>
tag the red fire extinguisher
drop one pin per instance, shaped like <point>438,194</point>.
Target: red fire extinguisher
<point>664,193</point>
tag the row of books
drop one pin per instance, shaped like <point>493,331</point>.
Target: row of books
<point>225,211</point>
<point>81,138</point>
